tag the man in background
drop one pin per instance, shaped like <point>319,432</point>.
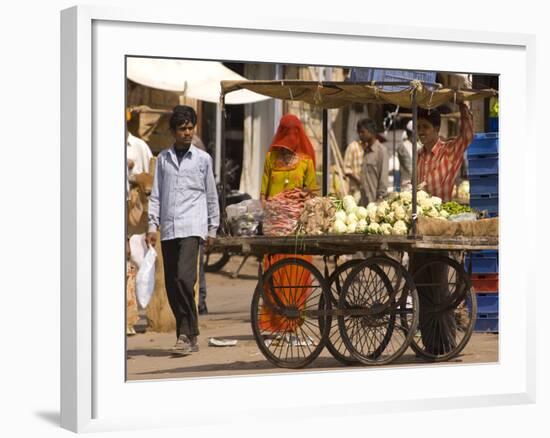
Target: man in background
<point>138,153</point>
<point>366,164</point>
<point>405,156</point>
<point>138,157</point>
<point>203,309</point>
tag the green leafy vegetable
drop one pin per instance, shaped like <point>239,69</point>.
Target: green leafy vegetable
<point>453,207</point>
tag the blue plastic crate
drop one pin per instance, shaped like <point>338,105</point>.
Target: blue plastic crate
<point>484,143</point>
<point>485,202</point>
<point>483,165</point>
<point>487,303</point>
<point>486,322</point>
<point>493,124</point>
<point>483,185</point>
<point>381,75</point>
<point>483,262</point>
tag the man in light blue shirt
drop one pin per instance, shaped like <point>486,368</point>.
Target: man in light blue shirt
<point>184,206</point>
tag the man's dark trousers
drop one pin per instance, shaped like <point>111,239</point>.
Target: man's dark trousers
<point>202,281</point>
<point>438,329</point>
<point>181,266</point>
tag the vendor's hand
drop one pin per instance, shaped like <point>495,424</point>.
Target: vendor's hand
<point>151,239</point>
<point>131,164</point>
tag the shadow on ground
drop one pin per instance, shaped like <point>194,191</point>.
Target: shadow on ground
<point>322,363</point>
<point>50,417</point>
<point>149,352</point>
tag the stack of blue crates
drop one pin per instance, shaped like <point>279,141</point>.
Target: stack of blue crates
<point>483,172</point>
<point>359,74</point>
<point>483,176</point>
<point>484,270</point>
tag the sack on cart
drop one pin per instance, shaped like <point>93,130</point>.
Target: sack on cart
<point>478,228</point>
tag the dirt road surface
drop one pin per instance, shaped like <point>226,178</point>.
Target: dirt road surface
<point>149,357</point>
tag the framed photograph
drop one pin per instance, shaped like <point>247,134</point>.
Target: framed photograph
<point>110,64</point>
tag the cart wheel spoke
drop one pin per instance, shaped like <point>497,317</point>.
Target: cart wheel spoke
<point>382,294</point>
<point>335,345</point>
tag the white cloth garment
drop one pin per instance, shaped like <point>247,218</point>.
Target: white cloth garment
<point>139,152</point>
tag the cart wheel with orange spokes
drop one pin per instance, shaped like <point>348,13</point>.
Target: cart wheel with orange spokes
<point>290,313</point>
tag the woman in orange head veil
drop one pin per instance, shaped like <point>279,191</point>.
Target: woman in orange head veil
<point>289,164</point>
<point>290,160</point>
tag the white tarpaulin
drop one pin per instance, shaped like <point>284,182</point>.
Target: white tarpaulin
<point>196,79</point>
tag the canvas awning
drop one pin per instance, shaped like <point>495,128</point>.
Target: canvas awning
<point>338,94</point>
<point>196,79</point>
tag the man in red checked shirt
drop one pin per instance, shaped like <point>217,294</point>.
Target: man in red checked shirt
<point>438,165</point>
<point>439,160</point>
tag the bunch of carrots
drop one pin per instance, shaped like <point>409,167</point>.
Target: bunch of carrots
<point>282,211</point>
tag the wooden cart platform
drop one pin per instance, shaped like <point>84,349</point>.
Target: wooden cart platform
<point>334,244</point>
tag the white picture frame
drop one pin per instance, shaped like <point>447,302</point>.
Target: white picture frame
<point>94,394</point>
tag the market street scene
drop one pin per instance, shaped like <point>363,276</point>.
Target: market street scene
<point>287,218</point>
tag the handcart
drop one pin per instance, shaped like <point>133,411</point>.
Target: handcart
<point>366,310</point>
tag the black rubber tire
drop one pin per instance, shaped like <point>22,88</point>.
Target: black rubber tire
<point>299,357</point>
<point>335,345</point>
<point>217,264</point>
<point>397,304</point>
<point>465,298</point>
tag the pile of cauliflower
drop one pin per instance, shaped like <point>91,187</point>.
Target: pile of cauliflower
<point>391,216</point>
